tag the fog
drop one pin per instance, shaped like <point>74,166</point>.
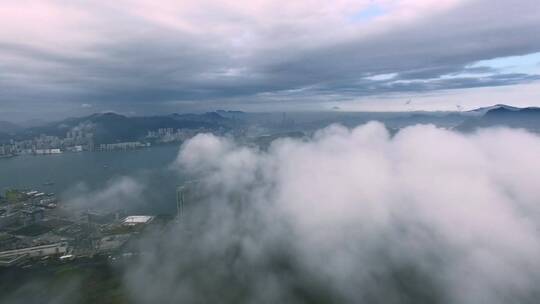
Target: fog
<point>118,193</point>
<point>353,216</point>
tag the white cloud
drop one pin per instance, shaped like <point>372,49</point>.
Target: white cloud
<point>425,215</point>
<point>119,193</point>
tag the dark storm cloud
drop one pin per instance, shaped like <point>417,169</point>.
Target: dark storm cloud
<point>142,64</point>
<point>430,48</point>
<point>415,85</point>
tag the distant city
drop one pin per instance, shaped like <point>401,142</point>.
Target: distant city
<point>114,132</point>
<point>81,140</point>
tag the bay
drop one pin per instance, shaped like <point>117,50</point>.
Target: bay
<point>62,173</point>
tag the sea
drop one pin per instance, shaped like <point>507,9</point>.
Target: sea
<point>64,174</point>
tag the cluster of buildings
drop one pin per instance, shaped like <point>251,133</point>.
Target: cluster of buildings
<point>159,136</point>
<point>7,151</point>
<point>123,146</point>
<point>24,208</point>
<point>81,138</point>
<point>169,135</point>
<point>35,228</point>
<point>75,141</point>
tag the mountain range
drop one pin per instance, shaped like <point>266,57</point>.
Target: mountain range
<point>484,110</point>
<point>502,115</point>
<point>112,127</point>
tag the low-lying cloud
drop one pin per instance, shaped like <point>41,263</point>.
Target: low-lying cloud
<point>118,193</point>
<point>427,215</point>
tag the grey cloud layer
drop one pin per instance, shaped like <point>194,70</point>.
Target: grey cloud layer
<point>136,62</point>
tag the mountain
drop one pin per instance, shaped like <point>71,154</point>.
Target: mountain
<point>4,138</point>
<point>7,130</point>
<point>525,118</point>
<point>231,114</point>
<point>484,110</point>
<point>8,127</point>
<point>112,127</point>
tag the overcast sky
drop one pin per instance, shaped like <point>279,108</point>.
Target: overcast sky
<point>68,57</point>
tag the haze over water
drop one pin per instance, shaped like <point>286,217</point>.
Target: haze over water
<point>94,169</point>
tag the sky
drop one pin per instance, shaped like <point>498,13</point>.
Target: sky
<point>60,58</point>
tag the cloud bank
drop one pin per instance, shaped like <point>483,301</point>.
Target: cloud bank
<point>352,216</point>
<point>118,193</point>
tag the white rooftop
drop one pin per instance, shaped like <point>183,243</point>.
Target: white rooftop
<point>138,219</point>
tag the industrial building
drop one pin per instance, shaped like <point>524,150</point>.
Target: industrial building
<point>12,257</point>
<point>135,220</point>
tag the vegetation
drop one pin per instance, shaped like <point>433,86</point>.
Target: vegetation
<point>89,281</point>
<point>14,196</point>
<point>32,230</point>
